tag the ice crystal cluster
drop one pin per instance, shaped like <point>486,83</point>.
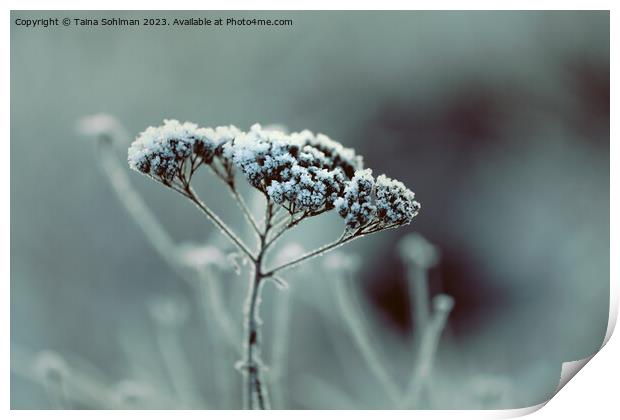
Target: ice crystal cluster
<point>305,173</point>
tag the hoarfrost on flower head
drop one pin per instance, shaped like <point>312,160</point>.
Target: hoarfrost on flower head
<point>161,151</point>
<point>395,202</point>
<point>287,168</point>
<point>356,206</point>
<point>383,202</point>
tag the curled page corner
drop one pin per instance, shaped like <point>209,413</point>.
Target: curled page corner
<point>571,368</point>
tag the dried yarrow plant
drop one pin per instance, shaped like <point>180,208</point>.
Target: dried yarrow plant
<point>300,175</point>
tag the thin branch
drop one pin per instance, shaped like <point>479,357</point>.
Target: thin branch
<point>321,250</point>
<point>219,223</point>
<point>244,208</point>
<point>292,223</point>
<point>287,226</point>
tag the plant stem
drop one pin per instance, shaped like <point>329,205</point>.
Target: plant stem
<point>256,393</point>
<point>255,390</point>
<point>244,208</point>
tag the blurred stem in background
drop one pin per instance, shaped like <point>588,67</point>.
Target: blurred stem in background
<point>425,356</point>
<point>141,214</point>
<point>281,335</point>
<point>73,385</point>
<point>349,305</point>
<point>108,132</point>
<point>169,315</point>
<point>419,256</point>
<point>279,348</point>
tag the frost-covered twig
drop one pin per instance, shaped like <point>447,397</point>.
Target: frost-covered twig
<point>191,194</point>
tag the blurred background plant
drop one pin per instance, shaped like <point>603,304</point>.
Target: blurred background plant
<point>499,119</point>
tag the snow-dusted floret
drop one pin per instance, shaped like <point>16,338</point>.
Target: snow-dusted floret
<point>288,169</point>
<point>395,203</point>
<point>369,205</point>
<point>333,154</point>
<point>175,149</point>
<point>356,206</point>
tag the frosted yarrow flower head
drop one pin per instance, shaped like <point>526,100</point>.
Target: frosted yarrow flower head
<point>163,152</point>
<point>307,174</point>
<point>370,204</point>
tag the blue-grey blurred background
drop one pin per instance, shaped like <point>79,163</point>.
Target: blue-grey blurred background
<point>499,121</point>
